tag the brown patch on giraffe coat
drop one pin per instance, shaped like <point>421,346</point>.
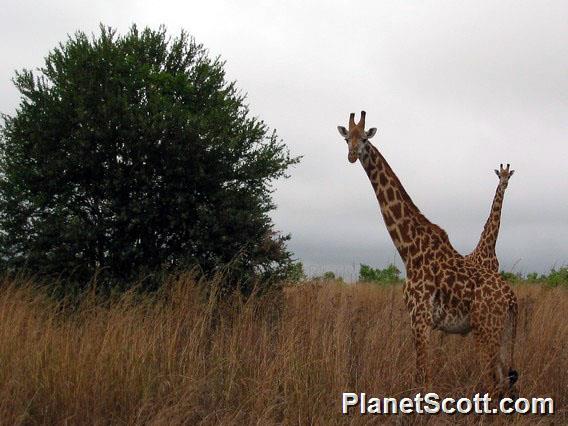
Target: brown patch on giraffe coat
<point>396,210</point>
<point>388,219</point>
<point>412,250</point>
<point>374,155</point>
<point>417,262</point>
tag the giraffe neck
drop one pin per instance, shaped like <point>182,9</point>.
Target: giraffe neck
<point>487,241</point>
<point>405,223</point>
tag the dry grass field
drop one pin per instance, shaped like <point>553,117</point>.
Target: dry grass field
<point>178,358</point>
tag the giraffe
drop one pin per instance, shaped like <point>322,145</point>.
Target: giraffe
<point>484,253</point>
<point>443,290</point>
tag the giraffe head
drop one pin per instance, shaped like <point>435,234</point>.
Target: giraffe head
<point>504,174</point>
<point>356,137</point>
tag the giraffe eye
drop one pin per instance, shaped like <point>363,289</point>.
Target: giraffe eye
<point>346,140</point>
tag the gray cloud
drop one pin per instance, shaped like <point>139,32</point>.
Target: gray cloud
<point>454,89</point>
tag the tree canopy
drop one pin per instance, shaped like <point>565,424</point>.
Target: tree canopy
<point>132,153</point>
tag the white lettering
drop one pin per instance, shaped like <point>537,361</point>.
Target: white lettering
<point>349,400</point>
<point>460,405</point>
<point>433,406</point>
<point>406,405</point>
<point>445,408</point>
<point>374,406</point>
<point>390,406</point>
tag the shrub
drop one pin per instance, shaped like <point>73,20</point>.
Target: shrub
<point>390,274</point>
<point>557,277</point>
<point>511,276</point>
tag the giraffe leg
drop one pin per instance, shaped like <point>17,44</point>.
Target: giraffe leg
<point>421,335</point>
<point>492,373</point>
<point>507,353</point>
<point>419,307</point>
<point>508,349</point>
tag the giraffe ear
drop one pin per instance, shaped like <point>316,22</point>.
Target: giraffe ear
<point>497,172</point>
<point>371,132</point>
<point>342,131</point>
<point>511,173</point>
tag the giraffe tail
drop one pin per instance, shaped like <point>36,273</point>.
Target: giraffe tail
<point>513,375</point>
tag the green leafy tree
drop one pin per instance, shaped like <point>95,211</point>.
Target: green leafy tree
<point>557,277</point>
<point>511,276</point>
<point>390,274</point>
<point>296,272</point>
<point>132,154</point>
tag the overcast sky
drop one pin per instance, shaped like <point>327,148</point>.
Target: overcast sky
<point>455,88</point>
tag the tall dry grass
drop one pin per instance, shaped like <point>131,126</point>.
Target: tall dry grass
<point>180,358</point>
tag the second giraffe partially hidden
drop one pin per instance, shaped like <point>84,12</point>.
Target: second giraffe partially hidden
<point>484,254</point>
<point>443,290</point>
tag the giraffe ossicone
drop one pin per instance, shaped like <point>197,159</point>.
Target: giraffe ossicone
<point>443,290</point>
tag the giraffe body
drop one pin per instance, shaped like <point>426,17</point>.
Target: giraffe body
<point>484,253</point>
<point>443,290</point>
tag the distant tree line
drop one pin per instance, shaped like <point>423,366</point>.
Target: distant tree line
<point>388,275</point>
<point>554,278</point>
<point>392,275</point>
